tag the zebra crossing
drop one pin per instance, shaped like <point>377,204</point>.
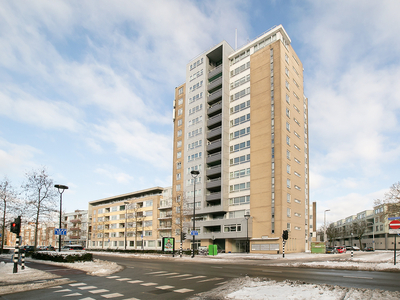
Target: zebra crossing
<point>81,288</point>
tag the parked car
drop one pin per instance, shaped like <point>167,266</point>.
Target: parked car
<point>340,249</point>
<point>45,248</point>
<point>72,248</point>
<point>27,249</point>
<point>369,249</point>
<point>331,250</point>
<point>354,248</point>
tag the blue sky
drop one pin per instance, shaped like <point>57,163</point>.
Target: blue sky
<point>86,89</point>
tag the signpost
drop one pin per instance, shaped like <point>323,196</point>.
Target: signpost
<point>394,228</point>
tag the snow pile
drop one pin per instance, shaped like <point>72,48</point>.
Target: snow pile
<point>261,289</point>
<point>7,275</point>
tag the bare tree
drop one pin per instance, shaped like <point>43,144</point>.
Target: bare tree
<point>391,200</point>
<point>41,196</point>
<point>332,233</point>
<point>181,214</point>
<point>359,227</point>
<point>9,196</point>
<point>134,219</point>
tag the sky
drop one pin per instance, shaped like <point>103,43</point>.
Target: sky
<point>86,90</point>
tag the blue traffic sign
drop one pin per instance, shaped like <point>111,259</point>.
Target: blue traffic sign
<point>394,218</point>
<point>60,231</point>
<point>194,232</point>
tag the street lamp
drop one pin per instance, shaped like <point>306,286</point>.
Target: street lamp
<point>247,217</point>
<point>61,188</point>
<point>325,238</point>
<point>126,217</point>
<point>194,175</point>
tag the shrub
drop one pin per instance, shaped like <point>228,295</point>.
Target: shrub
<point>63,256</point>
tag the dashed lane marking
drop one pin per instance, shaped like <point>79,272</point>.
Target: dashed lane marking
<point>114,295</point>
<point>135,281</point>
<point>89,287</point>
<point>177,276</point>
<point>158,272</point>
<point>73,295</point>
<point>128,299</point>
<point>167,274</point>
<point>112,277</point>
<point>195,277</point>
<point>165,287</point>
<point>358,277</point>
<point>221,283</point>
<point>88,298</point>
<point>211,279</point>
<point>63,291</point>
<point>149,284</point>
<point>56,287</point>
<point>183,291</point>
<point>77,284</point>
<point>99,291</point>
<point>124,279</point>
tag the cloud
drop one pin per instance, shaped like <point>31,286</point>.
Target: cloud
<point>114,174</point>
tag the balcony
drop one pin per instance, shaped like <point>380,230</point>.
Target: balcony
<point>214,85</point>
<point>213,196</point>
<point>215,108</point>
<point>214,120</point>
<point>76,221</point>
<point>214,133</point>
<point>75,229</point>
<point>213,183</point>
<point>165,204</point>
<point>214,96</point>
<point>214,72</point>
<point>214,145</point>
<point>165,216</point>
<point>212,171</point>
<point>214,157</point>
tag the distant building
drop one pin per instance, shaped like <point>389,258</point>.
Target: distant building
<point>45,235</point>
<point>76,225</point>
<point>136,220</point>
<point>377,228</point>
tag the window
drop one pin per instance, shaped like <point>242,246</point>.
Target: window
<point>287,126</point>
<point>297,174</point>
<point>178,187</point>
<point>148,223</point>
<point>295,107</point>
<point>288,140</point>
<point>286,58</point>
<point>178,165</point>
<point>239,200</point>
<point>288,169</point>
<point>180,101</point>
<point>287,99</point>
<point>288,183</point>
<point>287,154</point>
<point>232,228</point>
<point>288,212</point>
<point>297,214</point>
<point>240,81</point>
<point>239,160</point>
<point>240,107</point>
<point>288,112</point>
<point>195,109</point>
<point>180,91</point>
<point>297,187</point>
<point>179,144</point>
<point>287,72</point>
<point>240,94</point>
<point>288,198</point>
<point>287,85</point>
<point>297,147</point>
<point>240,69</point>
<point>196,97</point>
<point>239,187</point>
<point>240,146</point>
<point>179,122</point>
<point>296,160</point>
<point>240,133</point>
<point>288,226</point>
<point>180,111</point>
<point>195,145</point>
<point>299,202</point>
<point>178,176</point>
<point>297,122</point>
<point>240,120</point>
<point>240,173</point>
<point>179,154</point>
<point>179,133</point>
<point>194,156</point>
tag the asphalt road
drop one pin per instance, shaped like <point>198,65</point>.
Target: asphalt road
<point>175,279</point>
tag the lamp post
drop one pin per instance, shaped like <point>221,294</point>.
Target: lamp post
<point>325,238</point>
<point>194,174</point>
<point>126,217</point>
<point>247,217</point>
<point>61,188</point>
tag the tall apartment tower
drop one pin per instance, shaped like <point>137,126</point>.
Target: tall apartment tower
<point>241,120</point>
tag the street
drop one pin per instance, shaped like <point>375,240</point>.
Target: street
<point>155,278</point>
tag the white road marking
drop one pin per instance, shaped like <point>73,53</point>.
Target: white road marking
<point>89,287</point>
<point>211,279</point>
<point>267,271</point>
<point>77,284</point>
<point>111,277</point>
<point>56,287</point>
<point>127,299</point>
<point>62,291</point>
<point>88,298</point>
<point>177,276</point>
<point>124,279</point>
<point>72,295</point>
<point>165,287</point>
<point>217,267</point>
<point>157,272</point>
<point>99,291</point>
<point>149,284</point>
<point>114,295</point>
<point>183,291</point>
<point>195,277</point>
<point>221,283</point>
<point>135,281</point>
<point>358,277</point>
<point>166,274</point>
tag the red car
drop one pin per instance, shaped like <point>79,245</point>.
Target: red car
<point>340,249</point>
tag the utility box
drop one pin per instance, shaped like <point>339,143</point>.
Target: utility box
<point>212,250</point>
<point>317,247</point>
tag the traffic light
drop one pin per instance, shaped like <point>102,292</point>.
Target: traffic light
<point>16,226</point>
<point>183,236</point>
<point>285,235</point>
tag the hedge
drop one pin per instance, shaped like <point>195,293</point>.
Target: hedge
<point>62,257</point>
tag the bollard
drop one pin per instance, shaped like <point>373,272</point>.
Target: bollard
<point>23,261</point>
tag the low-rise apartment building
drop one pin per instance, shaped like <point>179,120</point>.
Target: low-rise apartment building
<point>76,225</point>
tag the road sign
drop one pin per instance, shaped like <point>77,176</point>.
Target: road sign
<point>395,224</point>
<point>394,231</point>
<point>394,218</point>
<point>60,231</point>
<point>194,232</point>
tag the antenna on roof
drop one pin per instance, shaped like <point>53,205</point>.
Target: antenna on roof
<point>235,39</point>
